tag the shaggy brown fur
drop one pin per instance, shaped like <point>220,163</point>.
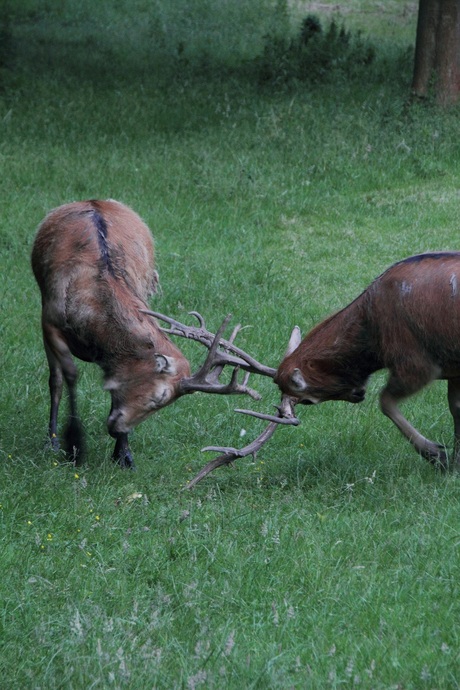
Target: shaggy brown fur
<point>94,264</point>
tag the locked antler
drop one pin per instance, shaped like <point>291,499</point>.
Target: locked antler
<point>285,416</point>
<point>206,379</point>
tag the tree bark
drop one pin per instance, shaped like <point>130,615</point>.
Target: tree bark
<point>437,51</point>
<point>447,63</point>
<point>425,47</point>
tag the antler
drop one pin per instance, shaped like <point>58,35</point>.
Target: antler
<point>285,416</point>
<point>238,357</point>
<point>286,408</point>
<point>221,352</point>
<point>285,413</point>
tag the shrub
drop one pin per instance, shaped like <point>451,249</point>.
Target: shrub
<point>6,44</point>
<point>315,54</point>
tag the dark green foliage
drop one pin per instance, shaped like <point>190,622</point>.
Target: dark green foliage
<point>6,45</point>
<point>315,55</point>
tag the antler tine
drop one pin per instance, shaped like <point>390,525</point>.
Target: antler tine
<point>248,362</point>
<point>209,361</point>
<point>220,367</point>
<point>200,318</point>
<point>293,421</point>
<point>258,368</point>
<point>285,413</point>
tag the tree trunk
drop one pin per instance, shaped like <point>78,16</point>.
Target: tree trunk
<point>447,64</point>
<point>437,51</point>
<point>425,47</point>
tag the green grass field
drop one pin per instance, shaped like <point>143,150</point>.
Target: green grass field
<point>332,559</point>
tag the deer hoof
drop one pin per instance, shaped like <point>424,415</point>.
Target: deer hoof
<point>125,460</point>
<point>437,456</point>
<point>53,443</point>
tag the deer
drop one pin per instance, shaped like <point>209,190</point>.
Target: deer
<point>406,321</point>
<point>94,263</point>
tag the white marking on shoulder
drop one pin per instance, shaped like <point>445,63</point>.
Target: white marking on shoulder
<point>454,284</point>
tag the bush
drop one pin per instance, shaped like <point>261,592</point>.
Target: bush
<point>315,54</point>
<point>6,44</point>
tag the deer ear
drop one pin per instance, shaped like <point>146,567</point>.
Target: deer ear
<point>294,341</point>
<point>298,382</point>
<point>164,364</point>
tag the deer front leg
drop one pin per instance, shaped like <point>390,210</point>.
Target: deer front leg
<point>431,451</point>
<point>453,396</point>
<point>122,452</point>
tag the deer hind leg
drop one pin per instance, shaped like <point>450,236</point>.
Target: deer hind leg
<point>453,395</point>
<point>395,392</point>
<point>62,367</point>
<point>55,387</point>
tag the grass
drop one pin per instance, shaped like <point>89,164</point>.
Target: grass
<point>331,560</point>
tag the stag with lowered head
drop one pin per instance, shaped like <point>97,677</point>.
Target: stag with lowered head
<point>94,264</point>
<point>406,321</point>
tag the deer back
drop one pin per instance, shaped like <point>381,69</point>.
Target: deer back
<point>415,309</point>
<point>91,238</point>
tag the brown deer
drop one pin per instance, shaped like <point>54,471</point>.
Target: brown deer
<point>406,321</point>
<point>94,264</point>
